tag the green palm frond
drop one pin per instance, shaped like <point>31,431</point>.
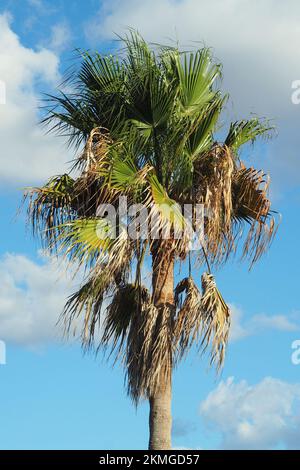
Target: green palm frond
<point>102,74</point>
<point>241,132</point>
<point>201,137</point>
<point>196,73</point>
<point>69,116</point>
<point>138,55</point>
<point>94,240</point>
<point>168,210</point>
<point>162,101</point>
<point>85,239</point>
<point>125,177</point>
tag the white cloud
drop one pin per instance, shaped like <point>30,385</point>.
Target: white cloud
<point>28,156</point>
<point>262,416</point>
<point>256,41</point>
<point>241,328</point>
<point>32,296</point>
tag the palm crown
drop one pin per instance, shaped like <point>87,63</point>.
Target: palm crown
<point>146,122</point>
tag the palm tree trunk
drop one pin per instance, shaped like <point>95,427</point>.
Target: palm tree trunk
<point>160,419</point>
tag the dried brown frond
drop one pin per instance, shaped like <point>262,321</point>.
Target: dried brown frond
<point>122,309</point>
<point>50,206</point>
<point>91,187</point>
<point>232,195</point>
<point>212,188</point>
<point>83,309</point>
<point>140,334</point>
<point>216,320</point>
<point>86,304</point>
<point>149,351</point>
<point>251,204</point>
<point>91,190</point>
<point>188,320</point>
<point>95,149</point>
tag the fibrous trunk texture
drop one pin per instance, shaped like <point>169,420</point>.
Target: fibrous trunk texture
<point>160,419</point>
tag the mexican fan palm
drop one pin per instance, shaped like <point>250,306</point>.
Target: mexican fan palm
<point>144,124</point>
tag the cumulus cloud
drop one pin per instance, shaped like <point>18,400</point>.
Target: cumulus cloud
<point>256,41</point>
<point>261,416</point>
<point>241,328</point>
<point>32,296</point>
<point>28,156</point>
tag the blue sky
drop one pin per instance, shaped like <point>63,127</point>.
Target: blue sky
<point>51,396</point>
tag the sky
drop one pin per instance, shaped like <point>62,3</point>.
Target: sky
<point>52,396</point>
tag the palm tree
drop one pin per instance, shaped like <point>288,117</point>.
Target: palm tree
<point>144,126</point>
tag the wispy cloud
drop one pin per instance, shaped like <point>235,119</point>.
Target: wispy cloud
<point>242,328</point>
<point>60,37</point>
